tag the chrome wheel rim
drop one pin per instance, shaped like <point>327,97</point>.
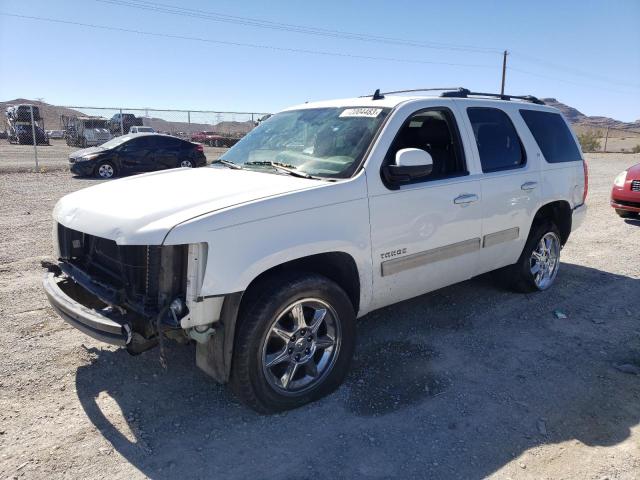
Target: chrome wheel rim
<point>301,346</point>
<point>186,163</point>
<point>545,260</point>
<point>105,171</point>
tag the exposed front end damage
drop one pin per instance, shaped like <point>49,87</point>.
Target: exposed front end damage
<point>130,295</point>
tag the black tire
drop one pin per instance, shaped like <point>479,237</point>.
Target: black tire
<point>183,163</point>
<point>626,214</point>
<point>261,308</point>
<point>99,171</point>
<point>518,276</point>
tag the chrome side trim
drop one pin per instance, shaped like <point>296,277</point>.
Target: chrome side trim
<point>397,265</point>
<point>502,236</point>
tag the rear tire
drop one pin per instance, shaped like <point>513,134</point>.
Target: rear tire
<point>294,342</point>
<point>186,164</point>
<point>626,214</point>
<point>539,262</point>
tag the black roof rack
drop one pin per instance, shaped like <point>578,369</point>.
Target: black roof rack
<point>466,93</point>
<point>459,92</point>
<point>378,95</point>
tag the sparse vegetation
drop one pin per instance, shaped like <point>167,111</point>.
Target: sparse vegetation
<point>636,149</point>
<point>590,140</point>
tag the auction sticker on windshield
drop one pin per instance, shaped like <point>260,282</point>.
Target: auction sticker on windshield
<point>361,112</point>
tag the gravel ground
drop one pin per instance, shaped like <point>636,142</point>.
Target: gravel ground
<point>470,381</point>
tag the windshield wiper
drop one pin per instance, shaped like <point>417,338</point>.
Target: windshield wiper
<point>289,169</point>
<point>228,164</point>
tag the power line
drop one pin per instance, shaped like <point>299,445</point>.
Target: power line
<point>572,70</point>
<point>260,23</point>
<point>240,44</point>
<point>527,72</point>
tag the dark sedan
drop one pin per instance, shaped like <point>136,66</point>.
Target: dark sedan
<point>135,153</point>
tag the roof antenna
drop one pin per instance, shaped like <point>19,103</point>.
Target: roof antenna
<point>377,95</point>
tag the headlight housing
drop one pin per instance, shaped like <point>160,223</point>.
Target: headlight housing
<point>620,179</point>
<point>89,157</point>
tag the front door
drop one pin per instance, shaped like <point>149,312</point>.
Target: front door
<point>426,234</point>
<point>136,155</point>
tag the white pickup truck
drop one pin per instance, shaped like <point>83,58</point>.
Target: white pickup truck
<point>323,213</point>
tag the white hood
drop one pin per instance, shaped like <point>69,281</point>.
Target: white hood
<point>141,210</point>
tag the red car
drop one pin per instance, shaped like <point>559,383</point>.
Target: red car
<point>213,139</point>
<point>625,196</point>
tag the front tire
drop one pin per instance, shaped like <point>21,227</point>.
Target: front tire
<point>538,265</point>
<point>294,342</point>
<point>626,214</point>
<point>105,170</point>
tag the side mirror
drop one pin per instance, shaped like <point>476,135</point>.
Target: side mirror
<point>411,163</point>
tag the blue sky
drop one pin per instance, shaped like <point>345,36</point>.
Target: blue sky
<point>585,53</point>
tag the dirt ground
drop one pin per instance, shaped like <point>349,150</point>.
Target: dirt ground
<point>468,382</point>
<point>21,158</point>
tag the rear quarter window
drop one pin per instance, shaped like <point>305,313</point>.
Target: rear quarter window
<point>552,136</point>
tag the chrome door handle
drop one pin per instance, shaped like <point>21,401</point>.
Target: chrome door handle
<point>465,199</point>
<point>529,185</point>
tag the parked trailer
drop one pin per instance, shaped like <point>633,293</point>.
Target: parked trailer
<point>85,131</point>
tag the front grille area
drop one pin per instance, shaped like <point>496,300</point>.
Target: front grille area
<point>635,186</point>
<point>132,272</point>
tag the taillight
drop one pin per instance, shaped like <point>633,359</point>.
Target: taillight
<point>586,180</point>
<point>200,148</point>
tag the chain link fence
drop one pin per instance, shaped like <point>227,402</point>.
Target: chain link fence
<point>44,141</point>
<point>600,138</point>
<point>41,136</point>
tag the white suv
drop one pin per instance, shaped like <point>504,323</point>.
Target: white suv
<point>323,213</point>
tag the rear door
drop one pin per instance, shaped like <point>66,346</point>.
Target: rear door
<point>166,151</point>
<point>510,181</point>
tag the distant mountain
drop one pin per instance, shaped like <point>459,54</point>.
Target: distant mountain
<point>578,118</point>
<point>227,128</point>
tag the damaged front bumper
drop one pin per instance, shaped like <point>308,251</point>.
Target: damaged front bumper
<point>85,312</point>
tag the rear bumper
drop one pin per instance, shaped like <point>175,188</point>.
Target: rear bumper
<point>102,324</point>
<point>579,213</point>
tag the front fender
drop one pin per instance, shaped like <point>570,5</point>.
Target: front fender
<point>239,253</point>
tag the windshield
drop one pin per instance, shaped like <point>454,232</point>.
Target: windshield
<point>114,142</point>
<point>324,142</point>
<point>95,123</point>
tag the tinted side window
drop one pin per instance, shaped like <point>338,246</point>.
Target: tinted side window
<point>139,143</point>
<point>434,131</point>
<point>165,142</point>
<point>552,136</point>
<point>498,143</point>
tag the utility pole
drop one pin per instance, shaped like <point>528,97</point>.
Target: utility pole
<point>504,70</point>
<point>33,135</point>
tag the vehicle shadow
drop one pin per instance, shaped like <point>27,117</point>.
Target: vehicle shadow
<point>633,221</point>
<point>453,384</point>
